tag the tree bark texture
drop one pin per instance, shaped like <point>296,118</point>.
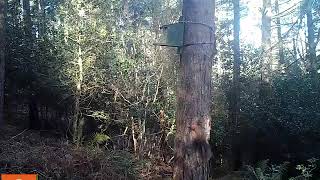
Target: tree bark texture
<point>192,150</point>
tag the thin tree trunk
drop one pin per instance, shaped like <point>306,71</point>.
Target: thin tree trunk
<point>279,33</point>
<point>235,91</point>
<point>29,59</point>
<point>78,119</point>
<point>236,64</point>
<point>294,49</point>
<point>42,17</point>
<point>266,64</point>
<point>2,59</point>
<point>27,19</point>
<point>296,61</point>
<point>266,59</point>
<point>192,150</point>
<point>36,11</point>
<point>311,50</point>
<point>135,141</point>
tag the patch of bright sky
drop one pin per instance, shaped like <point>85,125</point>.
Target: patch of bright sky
<point>251,23</point>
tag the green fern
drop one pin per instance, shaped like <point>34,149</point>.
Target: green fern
<point>263,171</point>
<point>306,170</point>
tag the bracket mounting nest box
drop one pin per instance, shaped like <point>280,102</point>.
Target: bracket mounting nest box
<point>174,34</point>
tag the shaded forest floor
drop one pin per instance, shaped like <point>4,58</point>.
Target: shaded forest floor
<point>26,151</point>
<point>53,157</point>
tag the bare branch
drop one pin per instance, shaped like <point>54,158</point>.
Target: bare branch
<point>19,134</point>
<point>158,84</point>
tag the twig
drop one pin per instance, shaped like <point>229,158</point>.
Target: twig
<point>158,85</point>
<point>171,159</point>
<point>19,134</point>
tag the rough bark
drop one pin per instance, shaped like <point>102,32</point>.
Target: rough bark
<point>2,59</point>
<point>266,64</point>
<point>192,150</point>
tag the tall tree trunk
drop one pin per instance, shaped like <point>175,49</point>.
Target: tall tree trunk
<point>311,50</point>
<point>27,19</point>
<point>2,58</point>
<point>37,17</point>
<point>192,150</point>
<point>236,64</point>
<point>235,91</point>
<point>296,66</point>
<point>266,64</point>
<point>294,49</point>
<point>28,44</point>
<point>78,119</point>
<point>42,18</point>
<point>279,34</point>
